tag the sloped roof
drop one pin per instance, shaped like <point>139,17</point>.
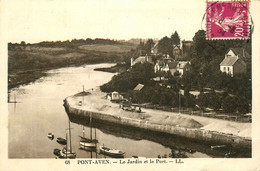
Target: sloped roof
<point>176,46</point>
<point>139,59</point>
<point>139,87</point>
<point>142,59</point>
<point>173,65</point>
<point>181,65</point>
<point>229,61</point>
<point>155,45</point>
<point>240,52</point>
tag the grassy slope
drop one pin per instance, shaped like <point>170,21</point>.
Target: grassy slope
<point>27,65</point>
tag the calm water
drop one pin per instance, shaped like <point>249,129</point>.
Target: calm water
<point>41,111</point>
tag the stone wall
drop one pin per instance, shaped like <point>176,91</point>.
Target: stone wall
<point>197,134</point>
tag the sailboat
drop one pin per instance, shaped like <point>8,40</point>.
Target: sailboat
<point>86,143</point>
<point>66,152</point>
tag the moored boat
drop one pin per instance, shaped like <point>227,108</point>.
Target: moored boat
<point>61,141</point>
<point>66,153</point>
<point>87,143</point>
<point>88,139</point>
<point>56,152</point>
<point>111,152</point>
<point>50,136</point>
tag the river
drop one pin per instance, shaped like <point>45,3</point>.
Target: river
<point>40,110</point>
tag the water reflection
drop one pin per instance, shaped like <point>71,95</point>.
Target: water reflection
<point>176,145</point>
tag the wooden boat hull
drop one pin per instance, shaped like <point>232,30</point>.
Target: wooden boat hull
<point>87,144</point>
<point>66,153</point>
<point>50,136</point>
<point>111,152</point>
<point>61,141</point>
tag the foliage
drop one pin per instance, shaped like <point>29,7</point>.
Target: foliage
<point>175,38</point>
<point>140,73</point>
<point>214,100</point>
<point>165,46</point>
<point>229,104</point>
<point>148,46</point>
<point>203,100</point>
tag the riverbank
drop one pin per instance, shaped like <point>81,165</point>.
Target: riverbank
<point>118,68</point>
<point>28,64</point>
<point>194,127</point>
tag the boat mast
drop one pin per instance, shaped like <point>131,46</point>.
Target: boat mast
<point>96,141</point>
<point>83,95</point>
<point>70,137</point>
<point>83,131</point>
<point>66,145</point>
<point>90,126</point>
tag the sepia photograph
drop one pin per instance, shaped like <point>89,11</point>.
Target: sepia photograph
<point>130,82</point>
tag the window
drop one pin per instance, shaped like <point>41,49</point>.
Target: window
<point>228,68</point>
<point>224,68</point>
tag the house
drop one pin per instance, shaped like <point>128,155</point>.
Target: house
<point>177,51</point>
<point>162,64</point>
<point>181,66</point>
<point>158,66</point>
<point>114,96</point>
<point>141,59</point>
<point>234,61</point>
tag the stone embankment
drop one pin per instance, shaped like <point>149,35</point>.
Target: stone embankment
<point>198,134</point>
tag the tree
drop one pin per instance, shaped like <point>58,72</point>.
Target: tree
<point>148,46</point>
<point>189,101</point>
<point>214,100</point>
<point>163,99</point>
<point>243,106</point>
<point>23,43</point>
<point>155,99</point>
<point>229,104</point>
<point>203,100</point>
<point>175,38</point>
<point>165,46</point>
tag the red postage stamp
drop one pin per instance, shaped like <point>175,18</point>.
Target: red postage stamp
<point>227,20</point>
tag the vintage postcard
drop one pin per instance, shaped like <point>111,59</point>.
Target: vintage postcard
<point>132,85</point>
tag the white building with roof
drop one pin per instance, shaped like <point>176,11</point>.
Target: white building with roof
<point>141,59</point>
<point>233,63</point>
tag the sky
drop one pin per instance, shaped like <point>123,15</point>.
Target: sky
<point>50,20</point>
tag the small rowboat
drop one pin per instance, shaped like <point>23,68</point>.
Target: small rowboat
<point>56,152</point>
<point>61,154</point>
<point>111,152</point>
<point>67,153</point>
<point>50,136</point>
<point>61,141</point>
